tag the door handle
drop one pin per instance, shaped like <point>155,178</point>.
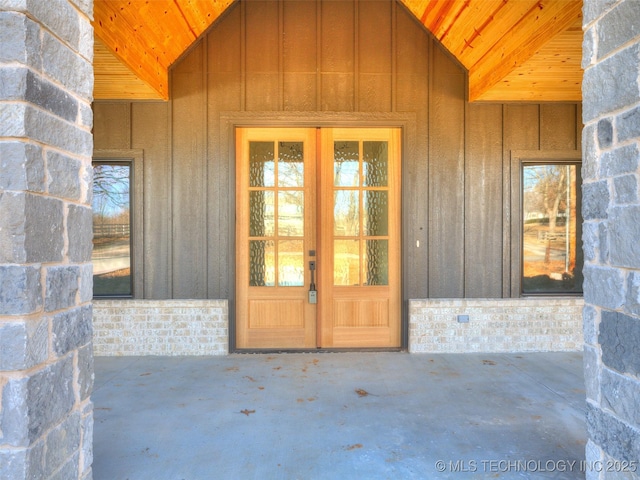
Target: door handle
<point>313,294</point>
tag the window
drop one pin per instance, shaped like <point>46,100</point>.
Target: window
<point>116,189</point>
<point>112,229</point>
<point>551,228</point>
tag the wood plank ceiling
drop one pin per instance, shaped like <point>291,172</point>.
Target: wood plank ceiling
<point>513,50</point>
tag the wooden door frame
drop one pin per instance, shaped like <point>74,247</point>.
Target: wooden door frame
<point>229,121</point>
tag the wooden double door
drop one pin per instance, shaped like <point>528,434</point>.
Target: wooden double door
<point>317,238</point>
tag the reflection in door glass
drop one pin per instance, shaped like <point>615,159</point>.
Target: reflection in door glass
<point>376,262</point>
<point>291,213</point>
<point>376,213</point>
<point>291,263</point>
<point>375,163</point>
<point>346,213</point>
<point>261,164</point>
<point>290,164</point>
<point>262,263</point>
<point>276,213</point>
<point>261,219</point>
<point>361,210</point>
<point>346,164</point>
<point>346,262</point>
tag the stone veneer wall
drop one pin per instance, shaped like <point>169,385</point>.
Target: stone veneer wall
<point>611,210</point>
<point>160,327</point>
<point>46,361</point>
<point>495,325</point>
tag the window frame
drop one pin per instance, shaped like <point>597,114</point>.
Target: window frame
<point>135,159</point>
<point>520,159</point>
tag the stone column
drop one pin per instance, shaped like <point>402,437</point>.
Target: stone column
<point>611,210</point>
<point>46,363</point>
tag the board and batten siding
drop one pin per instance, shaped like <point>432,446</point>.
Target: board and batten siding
<point>282,59</point>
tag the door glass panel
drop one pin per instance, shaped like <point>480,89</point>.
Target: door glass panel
<point>262,263</point>
<point>261,218</point>
<point>261,164</point>
<point>290,164</point>
<point>346,213</point>
<point>362,260</point>
<point>375,164</point>
<point>376,262</point>
<point>276,210</point>
<point>346,165</point>
<point>375,216</point>
<point>346,262</point>
<point>290,263</point>
<point>291,213</point>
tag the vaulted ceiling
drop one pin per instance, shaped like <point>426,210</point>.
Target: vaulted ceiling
<point>513,50</point>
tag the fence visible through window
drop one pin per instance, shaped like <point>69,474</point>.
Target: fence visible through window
<point>111,254</point>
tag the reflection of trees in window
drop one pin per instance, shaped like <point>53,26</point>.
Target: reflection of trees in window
<point>111,195</point>
<point>290,164</point>
<point>346,168</point>
<point>290,182</point>
<point>111,255</point>
<point>548,189</point>
<point>550,229</point>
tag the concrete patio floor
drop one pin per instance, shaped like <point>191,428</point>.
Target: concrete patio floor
<point>340,416</point>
